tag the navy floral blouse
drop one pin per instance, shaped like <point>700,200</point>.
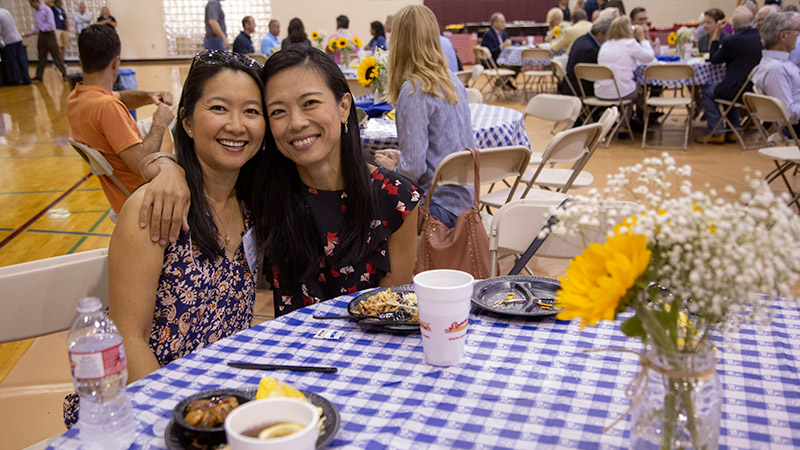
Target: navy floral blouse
<point>396,198</point>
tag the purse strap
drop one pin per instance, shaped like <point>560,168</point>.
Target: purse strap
<point>476,159</point>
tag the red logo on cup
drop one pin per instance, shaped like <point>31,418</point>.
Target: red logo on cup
<point>425,325</point>
<point>455,327</point>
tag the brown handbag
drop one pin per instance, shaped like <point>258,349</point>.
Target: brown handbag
<point>464,247</point>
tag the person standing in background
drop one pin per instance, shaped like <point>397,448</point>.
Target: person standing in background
<point>387,27</point>
<point>271,44</point>
<point>106,18</point>
<point>243,43</point>
<point>82,19</point>
<point>62,35</point>
<point>590,7</point>
<point>216,35</point>
<point>13,55</point>
<point>46,43</point>
<point>563,5</point>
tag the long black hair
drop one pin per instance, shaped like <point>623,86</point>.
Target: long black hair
<point>378,27</point>
<point>205,66</point>
<point>297,31</point>
<point>292,242</point>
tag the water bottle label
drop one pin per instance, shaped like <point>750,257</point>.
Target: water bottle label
<point>94,365</point>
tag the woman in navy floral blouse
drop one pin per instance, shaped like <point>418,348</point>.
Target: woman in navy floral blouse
<point>335,225</point>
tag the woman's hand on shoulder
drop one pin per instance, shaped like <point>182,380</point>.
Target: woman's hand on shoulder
<point>388,158</point>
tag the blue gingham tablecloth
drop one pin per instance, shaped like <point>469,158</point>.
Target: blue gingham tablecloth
<point>521,384</point>
<point>493,126</point>
<point>512,56</point>
<point>704,73</point>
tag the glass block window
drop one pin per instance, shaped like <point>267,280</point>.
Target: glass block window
<point>185,28</point>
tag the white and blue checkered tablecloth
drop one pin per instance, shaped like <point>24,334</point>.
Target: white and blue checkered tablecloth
<point>704,73</point>
<point>521,384</point>
<point>493,126</point>
<point>512,56</point>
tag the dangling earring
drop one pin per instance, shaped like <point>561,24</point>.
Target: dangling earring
<point>345,127</point>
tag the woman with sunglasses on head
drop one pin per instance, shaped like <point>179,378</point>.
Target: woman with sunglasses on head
<point>433,115</point>
<point>335,225</point>
<point>169,300</point>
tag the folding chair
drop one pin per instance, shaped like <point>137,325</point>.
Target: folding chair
<point>572,145</point>
<point>594,73</point>
<point>533,75</point>
<point>495,76</point>
<point>474,96</point>
<point>97,163</point>
<point>260,57</point>
<point>726,106</point>
<point>561,74</point>
<point>497,164</point>
<point>40,297</point>
<point>464,76</point>
<point>562,110</point>
<point>477,70</point>
<point>683,73</point>
<point>518,223</point>
<point>764,108</point>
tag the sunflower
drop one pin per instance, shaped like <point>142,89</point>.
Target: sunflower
<point>332,45</point>
<point>672,38</point>
<point>599,279</point>
<point>314,35</point>
<point>367,71</point>
<point>556,31</point>
<point>357,41</point>
<point>342,43</point>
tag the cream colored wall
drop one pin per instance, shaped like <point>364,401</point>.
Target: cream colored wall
<point>141,28</point>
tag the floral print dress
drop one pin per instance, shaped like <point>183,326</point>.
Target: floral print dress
<point>396,197</point>
<point>199,301</point>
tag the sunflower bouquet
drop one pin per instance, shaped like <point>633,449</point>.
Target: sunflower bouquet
<point>318,38</point>
<point>680,38</point>
<point>687,266</point>
<point>374,71</point>
<point>347,45</point>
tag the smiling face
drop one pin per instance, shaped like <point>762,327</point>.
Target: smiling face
<point>306,121</point>
<point>708,24</point>
<point>227,124</point>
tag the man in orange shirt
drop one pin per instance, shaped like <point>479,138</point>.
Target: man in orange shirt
<point>99,117</point>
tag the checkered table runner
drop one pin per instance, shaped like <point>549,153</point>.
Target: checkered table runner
<point>521,384</point>
<point>512,56</point>
<point>704,73</point>
<point>493,126</point>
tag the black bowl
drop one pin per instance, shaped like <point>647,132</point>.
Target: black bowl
<point>213,433</point>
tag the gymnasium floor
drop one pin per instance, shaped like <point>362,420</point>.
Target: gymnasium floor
<point>51,205</point>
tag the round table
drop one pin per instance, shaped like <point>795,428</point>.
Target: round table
<point>512,56</point>
<point>493,126</point>
<point>704,73</point>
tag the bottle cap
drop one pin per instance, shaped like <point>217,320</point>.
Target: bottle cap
<point>89,304</point>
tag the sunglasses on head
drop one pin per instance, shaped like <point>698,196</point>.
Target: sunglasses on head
<point>224,56</point>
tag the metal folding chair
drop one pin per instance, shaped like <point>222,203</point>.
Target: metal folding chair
<point>594,73</point>
<point>495,76</point>
<point>726,106</point>
<point>683,73</point>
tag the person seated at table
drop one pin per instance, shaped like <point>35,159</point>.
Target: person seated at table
<point>378,40</point>
<point>608,13</point>
<point>433,114</point>
<point>297,34</point>
<point>496,39</point>
<point>554,18</point>
<point>740,53</point>
<point>99,117</point>
<point>334,225</point>
<point>170,300</point>
<point>776,76</point>
<point>627,47</point>
<point>584,50</point>
<point>569,35</point>
<point>342,31</point>
<point>710,20</point>
<point>620,7</point>
<point>764,12</point>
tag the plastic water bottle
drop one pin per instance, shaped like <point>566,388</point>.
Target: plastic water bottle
<point>99,371</point>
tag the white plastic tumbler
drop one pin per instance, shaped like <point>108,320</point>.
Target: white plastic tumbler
<point>530,41</point>
<point>443,297</point>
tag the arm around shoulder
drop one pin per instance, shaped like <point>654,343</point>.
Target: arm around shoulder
<point>134,268</point>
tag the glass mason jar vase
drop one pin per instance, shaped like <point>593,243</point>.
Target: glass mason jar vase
<point>681,406</point>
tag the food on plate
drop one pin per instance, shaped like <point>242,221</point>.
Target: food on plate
<point>270,387</point>
<point>509,298</point>
<point>210,412</point>
<point>386,301</point>
<point>277,430</point>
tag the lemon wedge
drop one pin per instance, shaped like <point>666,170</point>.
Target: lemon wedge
<point>270,387</point>
<point>280,430</point>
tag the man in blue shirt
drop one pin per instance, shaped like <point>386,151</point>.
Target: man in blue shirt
<point>242,44</point>
<point>270,44</point>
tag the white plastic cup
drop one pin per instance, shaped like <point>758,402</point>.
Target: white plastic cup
<point>443,298</point>
<point>269,411</point>
<point>530,41</point>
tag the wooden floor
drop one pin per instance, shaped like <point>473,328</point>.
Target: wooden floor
<point>51,205</point>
